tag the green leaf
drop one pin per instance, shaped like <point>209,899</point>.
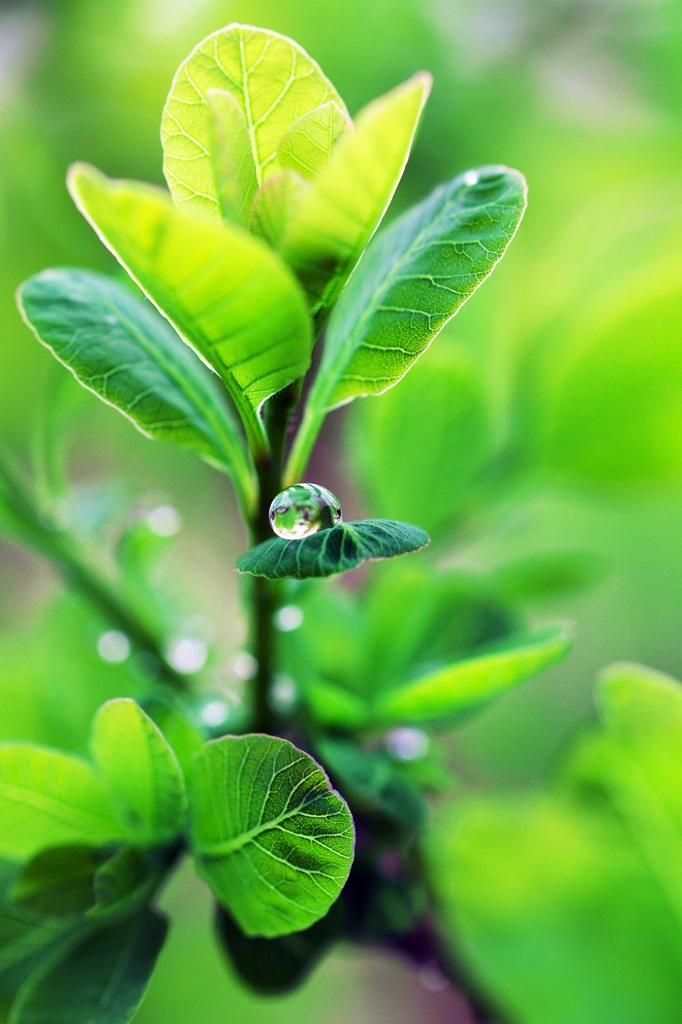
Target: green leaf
<point>348,200</point>
<point>275,83</point>
<point>179,732</point>
<point>333,705</point>
<point>269,835</point>
<point>233,165</point>
<point>208,280</point>
<point>412,279</point>
<point>473,681</point>
<point>374,780</point>
<point>274,967</point>
<point>422,448</point>
<point>548,576</point>
<point>118,347</point>
<point>101,981</point>
<point>52,799</point>
<point>59,882</point>
<point>306,147</point>
<point>274,205</point>
<point>339,549</point>
<point>118,881</point>
<point>141,769</point>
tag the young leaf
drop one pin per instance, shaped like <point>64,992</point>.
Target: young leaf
<point>269,834</point>
<point>412,279</point>
<point>274,82</point>
<point>347,202</point>
<point>101,981</point>
<point>274,205</point>
<point>234,168</point>
<point>472,681</point>
<point>52,799</point>
<point>373,778</point>
<point>117,881</point>
<point>339,549</point>
<point>207,280</point>
<point>307,146</point>
<point>274,967</point>
<point>141,769</point>
<point>118,347</point>
<point>179,732</point>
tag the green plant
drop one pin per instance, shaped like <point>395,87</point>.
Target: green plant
<point>266,241</point>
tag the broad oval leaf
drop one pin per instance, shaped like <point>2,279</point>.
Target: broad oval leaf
<point>142,771</point>
<point>347,202</point>
<point>118,347</point>
<point>226,293</point>
<point>52,799</point>
<point>101,981</point>
<point>472,681</point>
<point>274,81</point>
<point>327,552</point>
<point>411,280</point>
<point>270,836</point>
<point>306,148</point>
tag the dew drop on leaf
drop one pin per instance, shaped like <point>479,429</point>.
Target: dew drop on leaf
<point>303,509</point>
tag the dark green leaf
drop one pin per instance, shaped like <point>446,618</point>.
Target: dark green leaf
<point>269,835</point>
<point>275,966</point>
<point>101,981</point>
<point>59,882</point>
<point>120,348</point>
<point>411,280</point>
<point>118,880</point>
<point>372,777</point>
<point>339,549</point>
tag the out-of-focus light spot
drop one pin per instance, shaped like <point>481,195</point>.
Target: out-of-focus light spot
<point>113,646</point>
<point>216,712</point>
<point>432,978</point>
<point>471,177</point>
<point>244,665</point>
<point>164,521</point>
<point>288,618</point>
<point>283,694</point>
<point>187,654</point>
<point>407,744</point>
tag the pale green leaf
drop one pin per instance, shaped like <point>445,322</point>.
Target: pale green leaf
<point>338,549</point>
<point>101,981</point>
<point>180,733</point>
<point>275,83</point>
<point>307,146</point>
<point>472,681</point>
<point>347,201</point>
<point>226,293</point>
<point>233,165</point>
<point>141,769</point>
<point>269,835</point>
<point>52,799</point>
<point>275,203</point>
<point>411,280</point>
<point>119,347</point>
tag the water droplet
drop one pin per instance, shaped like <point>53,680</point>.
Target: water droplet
<point>407,744</point>
<point>304,509</point>
<point>113,646</point>
<point>288,618</point>
<point>471,177</point>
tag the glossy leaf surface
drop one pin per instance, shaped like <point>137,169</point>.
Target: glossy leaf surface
<point>306,148</point>
<point>52,799</point>
<point>412,279</point>
<point>119,347</point>
<point>269,835</point>
<point>339,549</point>
<point>101,981</point>
<point>473,680</point>
<point>348,200</point>
<point>275,83</point>
<point>207,280</point>
<point>142,771</point>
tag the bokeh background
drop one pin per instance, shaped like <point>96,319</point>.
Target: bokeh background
<point>568,360</point>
